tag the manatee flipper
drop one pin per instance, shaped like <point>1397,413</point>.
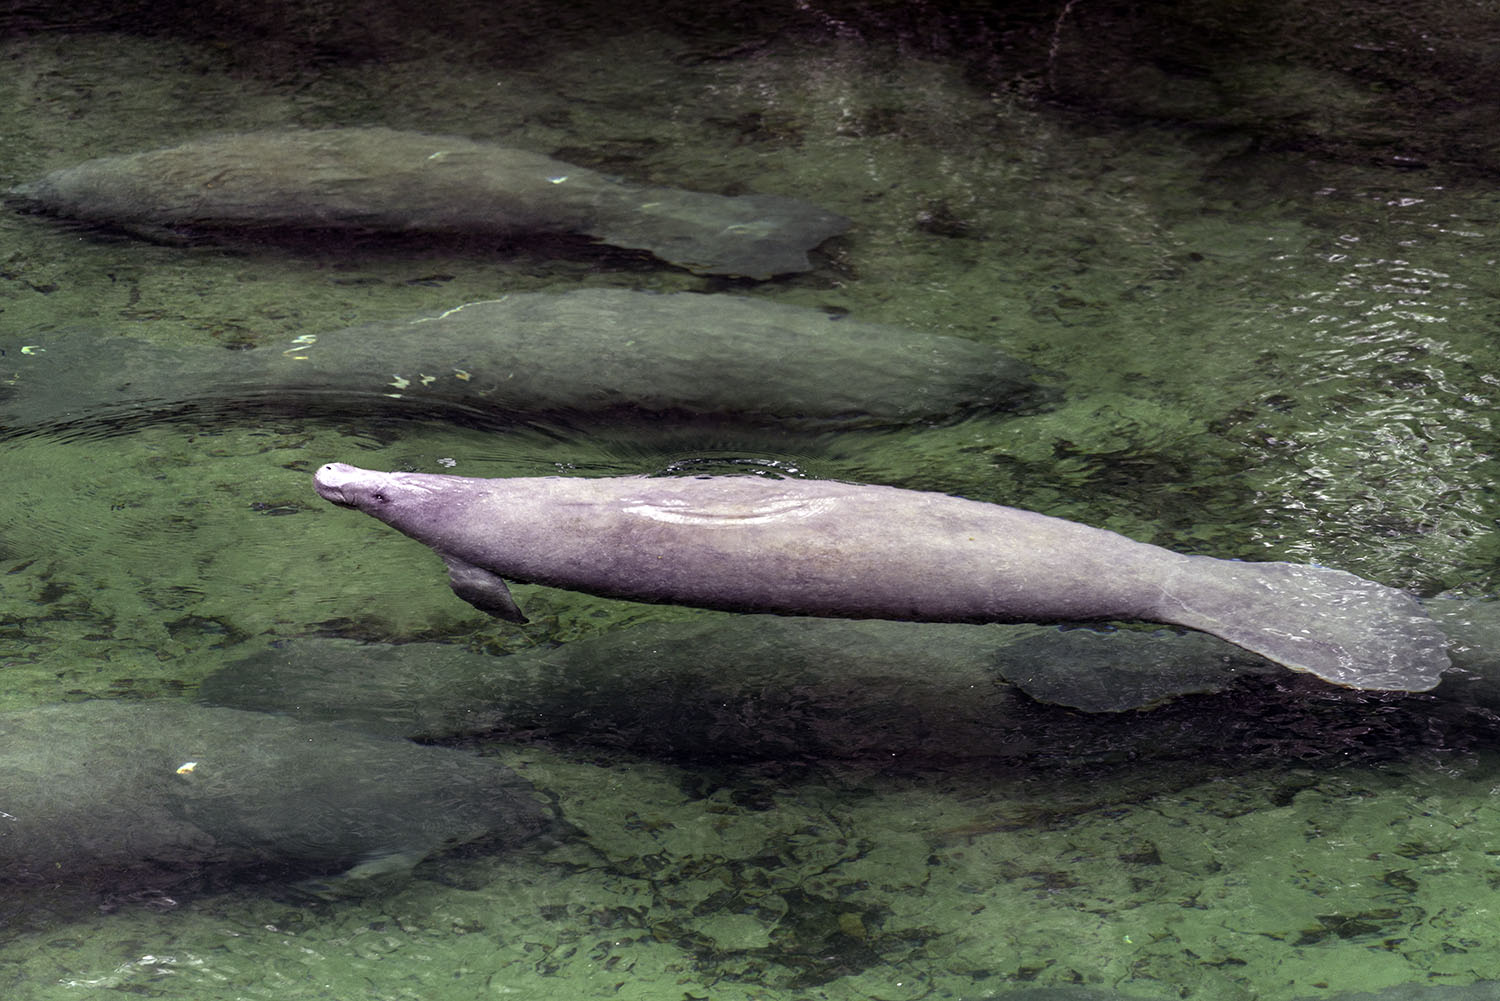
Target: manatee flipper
<point>753,236</point>
<point>1342,628</point>
<point>482,589</point>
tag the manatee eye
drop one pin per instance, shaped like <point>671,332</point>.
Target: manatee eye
<point>379,495</point>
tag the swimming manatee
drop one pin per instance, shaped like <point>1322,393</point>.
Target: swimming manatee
<point>587,352</point>
<point>712,686</point>
<point>815,547</point>
<point>114,795</point>
<point>725,685</point>
<point>379,179</point>
<point>720,687</point>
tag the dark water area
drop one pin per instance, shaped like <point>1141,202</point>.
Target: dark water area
<point>1246,254</point>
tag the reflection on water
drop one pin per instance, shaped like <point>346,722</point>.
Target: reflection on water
<point>1262,350</point>
<point>1386,425</point>
<point>730,463</point>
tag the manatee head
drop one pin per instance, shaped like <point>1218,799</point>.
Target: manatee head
<point>373,492</point>
<point>349,486</point>
<point>418,504</point>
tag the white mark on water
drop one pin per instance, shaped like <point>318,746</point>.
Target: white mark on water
<point>449,312</point>
<point>301,343</point>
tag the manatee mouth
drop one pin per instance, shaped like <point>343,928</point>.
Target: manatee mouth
<point>331,482</point>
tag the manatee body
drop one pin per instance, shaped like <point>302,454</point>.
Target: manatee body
<point>711,686</point>
<point>110,794</point>
<point>902,696</point>
<point>728,685</point>
<point>388,180</point>
<point>587,352</point>
<point>717,685</point>
<point>810,547</point>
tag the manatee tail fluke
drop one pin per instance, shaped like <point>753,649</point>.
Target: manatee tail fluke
<point>1342,628</point>
<point>753,236</point>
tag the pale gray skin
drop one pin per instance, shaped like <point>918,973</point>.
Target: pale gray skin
<point>1480,990</point>
<point>811,547</point>
<point>586,352</point>
<point>387,180</point>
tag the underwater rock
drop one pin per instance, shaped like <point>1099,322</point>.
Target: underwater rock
<point>821,547</point>
<point>379,179</point>
<point>587,352</point>
<point>110,795</point>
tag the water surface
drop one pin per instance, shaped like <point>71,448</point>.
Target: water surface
<point>1263,351</point>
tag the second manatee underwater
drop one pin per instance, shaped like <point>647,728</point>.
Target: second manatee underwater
<point>389,180</point>
<point>590,352</point>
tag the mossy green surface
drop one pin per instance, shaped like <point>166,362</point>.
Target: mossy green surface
<point>1261,354</point>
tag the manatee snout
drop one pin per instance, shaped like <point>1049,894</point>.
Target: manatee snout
<point>30,197</point>
<point>336,481</point>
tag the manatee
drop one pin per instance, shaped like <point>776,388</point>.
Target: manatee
<point>825,548</point>
<point>761,686</point>
<point>379,179</point>
<point>587,352</point>
<point>712,686</point>
<point>719,685</point>
<point>115,795</point>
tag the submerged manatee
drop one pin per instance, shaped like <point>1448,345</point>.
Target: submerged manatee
<point>765,686</point>
<point>384,179</point>
<point>721,686</point>
<point>713,686</point>
<point>118,794</point>
<point>591,351</point>
<point>817,547</point>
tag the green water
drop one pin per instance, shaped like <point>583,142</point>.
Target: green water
<point>1264,351</point>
